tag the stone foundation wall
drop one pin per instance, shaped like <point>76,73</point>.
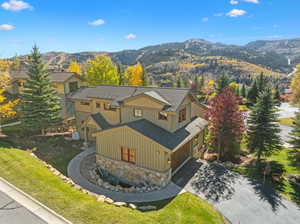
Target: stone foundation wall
<point>133,174</point>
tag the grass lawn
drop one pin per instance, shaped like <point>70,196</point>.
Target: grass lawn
<point>286,121</point>
<point>29,174</point>
<point>54,150</point>
<point>284,159</point>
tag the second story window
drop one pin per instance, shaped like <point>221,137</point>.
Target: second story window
<point>107,106</point>
<point>84,103</point>
<point>98,105</point>
<point>182,115</point>
<point>137,112</point>
<point>163,116</point>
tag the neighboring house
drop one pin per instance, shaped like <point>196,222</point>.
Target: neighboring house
<point>142,134</point>
<point>64,83</point>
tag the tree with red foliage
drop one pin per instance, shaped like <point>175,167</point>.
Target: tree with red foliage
<point>226,124</point>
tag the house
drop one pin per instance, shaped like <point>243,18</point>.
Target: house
<point>142,134</point>
<point>64,83</point>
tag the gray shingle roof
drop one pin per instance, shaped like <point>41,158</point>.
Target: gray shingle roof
<point>165,138</point>
<point>172,97</point>
<point>54,76</point>
<point>101,121</point>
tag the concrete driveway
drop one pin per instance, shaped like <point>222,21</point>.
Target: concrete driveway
<point>239,199</point>
<point>12,212</point>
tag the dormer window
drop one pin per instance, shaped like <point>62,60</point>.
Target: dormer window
<point>163,116</point>
<point>98,105</point>
<point>182,115</point>
<point>138,113</point>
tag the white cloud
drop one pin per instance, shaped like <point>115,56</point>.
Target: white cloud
<point>236,13</point>
<point>130,36</point>
<point>234,2</point>
<point>205,19</point>
<point>15,5</point>
<point>6,27</point>
<point>252,1</point>
<point>97,22</point>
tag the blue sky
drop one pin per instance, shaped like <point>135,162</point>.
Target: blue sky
<point>97,25</point>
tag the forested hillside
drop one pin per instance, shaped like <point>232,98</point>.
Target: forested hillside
<point>164,63</point>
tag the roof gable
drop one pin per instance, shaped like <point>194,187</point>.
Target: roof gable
<point>171,97</point>
<point>54,76</point>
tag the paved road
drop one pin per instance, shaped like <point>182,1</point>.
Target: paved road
<point>12,212</point>
<point>240,200</point>
<point>286,110</point>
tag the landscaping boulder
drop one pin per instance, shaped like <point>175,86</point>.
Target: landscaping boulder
<point>132,206</point>
<point>109,201</point>
<point>101,198</point>
<point>120,204</point>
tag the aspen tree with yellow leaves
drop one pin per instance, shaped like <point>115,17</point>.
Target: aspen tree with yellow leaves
<point>74,67</point>
<point>135,75</point>
<point>295,86</point>
<point>6,106</point>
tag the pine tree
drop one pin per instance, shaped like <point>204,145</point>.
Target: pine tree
<point>179,82</point>
<point>295,133</point>
<point>252,93</point>
<point>40,106</point>
<point>145,80</point>
<point>121,75</point>
<point>276,95</point>
<point>263,128</point>
<point>243,91</point>
<point>261,82</point>
<point>222,82</point>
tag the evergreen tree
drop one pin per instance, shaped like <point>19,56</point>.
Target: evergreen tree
<point>263,128</point>
<point>276,95</point>
<point>222,82</point>
<point>40,106</point>
<point>243,91</point>
<point>261,82</point>
<point>295,133</point>
<point>179,82</point>
<point>145,80</point>
<point>252,93</point>
<point>121,75</point>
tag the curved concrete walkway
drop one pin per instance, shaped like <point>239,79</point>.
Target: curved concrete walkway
<point>74,173</point>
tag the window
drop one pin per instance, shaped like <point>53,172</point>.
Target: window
<point>107,106</point>
<point>182,115</point>
<point>128,155</point>
<point>162,116</point>
<point>73,86</point>
<point>138,113</point>
<point>84,103</point>
<point>98,105</point>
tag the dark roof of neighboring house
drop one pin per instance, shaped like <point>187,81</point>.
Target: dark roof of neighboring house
<point>163,137</point>
<point>100,120</point>
<point>54,76</point>
<point>171,97</point>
